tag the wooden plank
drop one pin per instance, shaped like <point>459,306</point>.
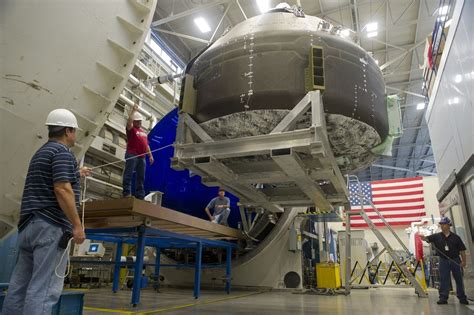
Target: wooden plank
<point>128,212</point>
<point>151,210</point>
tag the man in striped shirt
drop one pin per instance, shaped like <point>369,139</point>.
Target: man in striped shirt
<point>48,219</point>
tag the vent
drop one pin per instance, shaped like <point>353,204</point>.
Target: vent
<point>317,67</point>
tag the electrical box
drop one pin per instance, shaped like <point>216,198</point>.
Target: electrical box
<point>89,249</point>
<point>80,250</point>
<point>328,276</point>
<point>96,250</point>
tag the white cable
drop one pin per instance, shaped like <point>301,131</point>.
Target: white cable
<point>132,157</point>
<point>67,250</point>
<point>68,270</point>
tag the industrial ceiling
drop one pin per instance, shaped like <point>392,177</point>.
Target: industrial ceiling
<point>398,44</point>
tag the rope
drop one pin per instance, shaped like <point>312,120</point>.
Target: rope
<point>83,200</point>
<point>132,157</point>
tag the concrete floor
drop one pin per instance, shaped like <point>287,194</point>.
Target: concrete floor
<point>380,301</point>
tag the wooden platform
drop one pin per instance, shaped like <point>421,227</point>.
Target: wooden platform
<point>129,212</point>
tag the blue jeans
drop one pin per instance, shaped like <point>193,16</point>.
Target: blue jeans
<point>34,287</point>
<point>446,267</point>
<point>221,218</point>
<point>137,165</point>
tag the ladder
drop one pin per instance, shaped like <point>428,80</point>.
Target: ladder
<point>396,258</point>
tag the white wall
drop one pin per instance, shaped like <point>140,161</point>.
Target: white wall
<point>450,114</point>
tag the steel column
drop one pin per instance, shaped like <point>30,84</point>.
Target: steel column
<point>197,270</point>
<point>228,269</point>
<point>137,277</point>
<point>118,255</point>
<point>157,268</point>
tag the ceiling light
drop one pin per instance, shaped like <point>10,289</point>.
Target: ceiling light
<point>345,32</point>
<point>371,27</point>
<point>443,10</point>
<point>372,34</point>
<point>458,78</point>
<point>202,25</point>
<point>420,106</point>
<point>456,100</point>
<point>263,5</point>
<point>376,61</point>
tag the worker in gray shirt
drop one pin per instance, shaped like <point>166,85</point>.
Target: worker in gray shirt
<point>221,208</point>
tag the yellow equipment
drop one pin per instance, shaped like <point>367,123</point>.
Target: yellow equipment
<point>328,276</point>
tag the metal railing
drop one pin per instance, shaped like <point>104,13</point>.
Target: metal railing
<point>438,38</point>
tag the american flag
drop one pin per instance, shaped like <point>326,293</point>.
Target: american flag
<point>400,201</point>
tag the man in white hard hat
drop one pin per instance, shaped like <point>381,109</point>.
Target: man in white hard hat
<point>137,148</point>
<point>48,219</point>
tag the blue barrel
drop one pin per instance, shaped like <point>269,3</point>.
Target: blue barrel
<point>181,190</point>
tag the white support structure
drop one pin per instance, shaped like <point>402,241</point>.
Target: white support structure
<point>287,167</point>
<point>419,290</point>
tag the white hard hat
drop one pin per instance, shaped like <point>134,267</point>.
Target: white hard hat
<point>61,117</point>
<point>137,116</point>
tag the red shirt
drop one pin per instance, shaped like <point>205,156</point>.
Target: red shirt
<point>137,141</point>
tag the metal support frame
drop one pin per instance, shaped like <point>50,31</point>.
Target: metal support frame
<point>228,269</point>
<point>118,255</point>
<point>160,239</point>
<point>197,271</point>
<point>302,157</point>
<point>156,274</point>
<point>137,277</point>
<point>398,261</point>
<point>187,13</point>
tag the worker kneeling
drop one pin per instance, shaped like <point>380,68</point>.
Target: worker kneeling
<point>221,208</point>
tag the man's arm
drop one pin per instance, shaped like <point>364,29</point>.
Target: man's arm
<point>66,199</point>
<point>210,205</point>
<point>209,214</point>
<point>463,258</point>
<point>150,156</point>
<point>130,117</point>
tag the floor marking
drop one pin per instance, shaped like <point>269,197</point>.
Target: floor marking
<point>198,303</point>
<point>107,310</point>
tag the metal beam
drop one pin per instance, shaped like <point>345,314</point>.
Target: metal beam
<point>389,63</point>
<point>197,39</point>
<point>406,92</point>
<point>220,22</point>
<point>403,169</point>
<point>296,113</point>
<point>292,165</point>
<point>187,13</point>
<point>355,18</point>
<point>241,10</point>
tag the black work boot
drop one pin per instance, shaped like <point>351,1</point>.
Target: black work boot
<point>442,302</point>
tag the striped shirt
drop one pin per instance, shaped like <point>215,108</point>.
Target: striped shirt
<point>52,163</point>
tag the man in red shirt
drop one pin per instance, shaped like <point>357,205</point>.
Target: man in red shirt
<point>137,148</point>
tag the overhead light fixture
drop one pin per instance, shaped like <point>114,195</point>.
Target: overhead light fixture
<point>345,32</point>
<point>420,106</point>
<point>202,25</point>
<point>377,62</point>
<point>263,5</point>
<point>456,100</point>
<point>371,27</point>
<point>458,78</point>
<point>372,34</point>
